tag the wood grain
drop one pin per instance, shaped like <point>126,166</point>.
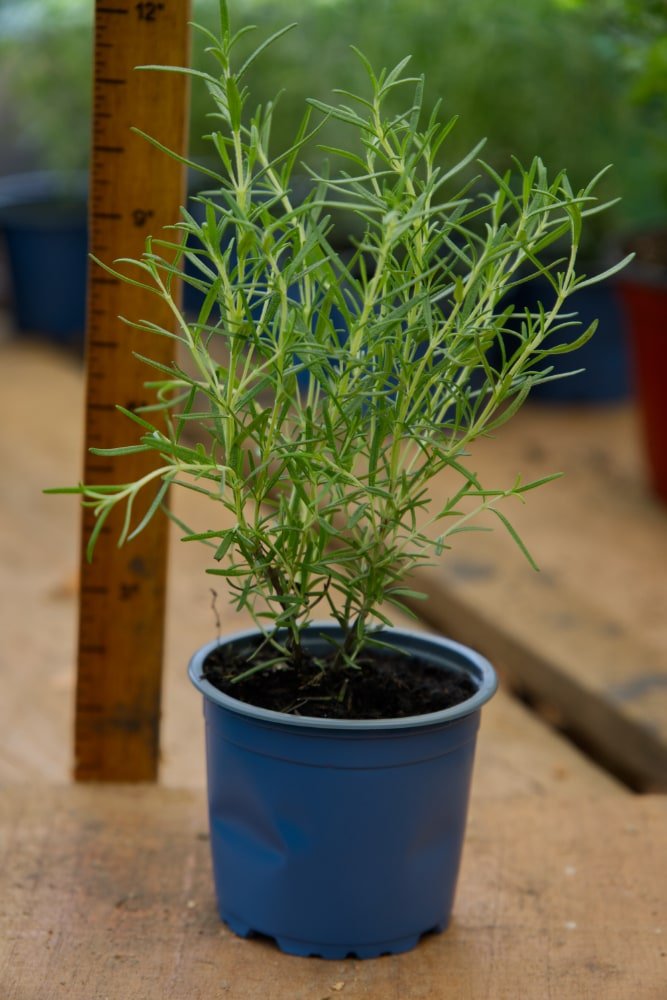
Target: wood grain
<point>107,893</point>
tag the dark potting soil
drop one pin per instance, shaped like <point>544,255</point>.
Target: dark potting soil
<point>387,686</point>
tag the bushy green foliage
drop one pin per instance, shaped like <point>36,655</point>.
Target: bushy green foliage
<point>326,393</point>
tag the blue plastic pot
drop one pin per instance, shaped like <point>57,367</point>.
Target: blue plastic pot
<point>605,358</point>
<point>43,220</point>
<point>340,838</point>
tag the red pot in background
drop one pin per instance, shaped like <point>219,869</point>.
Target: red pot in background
<point>645,300</point>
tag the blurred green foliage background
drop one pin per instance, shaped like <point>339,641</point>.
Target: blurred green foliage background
<point>582,83</point>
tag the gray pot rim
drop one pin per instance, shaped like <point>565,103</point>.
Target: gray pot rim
<point>450,653</point>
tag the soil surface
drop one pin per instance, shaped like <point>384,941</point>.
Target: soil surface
<point>387,686</point>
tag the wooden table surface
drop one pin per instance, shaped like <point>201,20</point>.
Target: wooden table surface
<point>108,895</point>
<point>586,637</point>
<point>106,891</point>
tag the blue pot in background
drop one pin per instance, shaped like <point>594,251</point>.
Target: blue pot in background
<point>193,298</point>
<point>340,838</point>
<point>43,218</point>
<point>605,358</point>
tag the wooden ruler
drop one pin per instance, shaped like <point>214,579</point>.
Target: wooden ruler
<point>135,191</point>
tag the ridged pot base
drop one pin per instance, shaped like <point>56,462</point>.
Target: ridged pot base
<point>306,949</point>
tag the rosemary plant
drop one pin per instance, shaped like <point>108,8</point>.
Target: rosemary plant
<point>327,393</point>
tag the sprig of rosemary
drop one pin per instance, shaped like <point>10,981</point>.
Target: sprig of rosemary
<point>327,393</point>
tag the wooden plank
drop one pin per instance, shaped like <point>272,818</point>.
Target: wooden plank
<point>594,680</point>
<point>599,529</point>
<point>40,446</point>
<point>107,892</point>
<point>135,190</point>
<point>587,636</point>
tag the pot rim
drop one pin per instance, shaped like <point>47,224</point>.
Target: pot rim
<point>451,653</point>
